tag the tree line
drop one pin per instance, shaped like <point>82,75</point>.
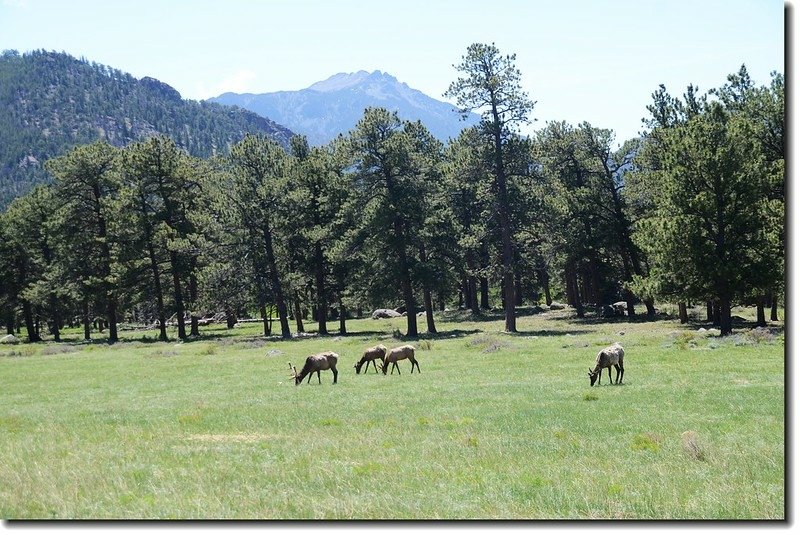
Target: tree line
<point>692,211</point>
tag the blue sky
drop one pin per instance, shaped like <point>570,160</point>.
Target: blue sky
<point>581,60</point>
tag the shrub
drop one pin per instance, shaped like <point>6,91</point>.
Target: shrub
<point>692,446</point>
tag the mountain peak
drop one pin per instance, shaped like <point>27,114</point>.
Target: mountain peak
<point>345,80</point>
<point>335,105</point>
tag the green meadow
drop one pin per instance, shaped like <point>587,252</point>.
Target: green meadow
<point>496,426</point>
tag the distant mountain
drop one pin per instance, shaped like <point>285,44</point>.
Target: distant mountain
<point>334,106</point>
<point>51,102</point>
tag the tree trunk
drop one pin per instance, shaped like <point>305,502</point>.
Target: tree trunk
<point>162,320</point>
<point>54,313</point>
<point>505,222</point>
<point>472,295</point>
<point>682,314</point>
<point>485,293</point>
<point>774,308</point>
<point>298,317</point>
<point>710,311</point>
<point>725,320</point>
<point>544,278</point>
<point>518,290</point>
<point>176,288</point>
<point>426,293</point>
<point>87,323</point>
<point>429,310</point>
<point>651,309</point>
<point>272,267</point>
<point>111,298</point>
<point>195,328</point>
<point>267,321</point>
<point>471,285</point>
<point>319,278</point>
<point>761,319</point>
<point>342,318</point>
<point>33,336</point>
<point>230,319</point>
<point>405,278</point>
<point>574,285</point>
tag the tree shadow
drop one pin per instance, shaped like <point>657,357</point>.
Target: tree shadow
<point>547,332</point>
<point>494,314</point>
<point>621,320</point>
<point>454,333</point>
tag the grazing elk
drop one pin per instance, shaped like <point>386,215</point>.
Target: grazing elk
<point>316,363</point>
<point>400,353</point>
<point>610,356</point>
<point>371,355</point>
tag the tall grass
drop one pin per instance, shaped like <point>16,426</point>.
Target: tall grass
<point>494,426</point>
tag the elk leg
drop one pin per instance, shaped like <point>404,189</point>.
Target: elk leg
<point>616,367</point>
<point>374,366</point>
<point>319,376</point>
<point>335,374</point>
<point>621,372</point>
<point>310,375</point>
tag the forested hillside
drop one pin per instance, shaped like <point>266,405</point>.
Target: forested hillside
<point>52,102</point>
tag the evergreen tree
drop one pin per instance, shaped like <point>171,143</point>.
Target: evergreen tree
<point>393,166</point>
<point>491,85</point>
<point>86,182</point>
<point>253,194</point>
<point>708,237</point>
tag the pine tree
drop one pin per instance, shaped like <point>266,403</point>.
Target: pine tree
<point>491,85</point>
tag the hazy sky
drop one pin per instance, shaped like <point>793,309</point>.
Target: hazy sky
<point>581,60</point>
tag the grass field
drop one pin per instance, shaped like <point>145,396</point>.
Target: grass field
<point>495,426</point>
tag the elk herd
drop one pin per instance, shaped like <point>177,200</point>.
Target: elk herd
<point>327,361</point>
<point>611,356</point>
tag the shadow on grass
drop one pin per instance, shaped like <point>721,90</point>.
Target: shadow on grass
<point>573,332</point>
<point>462,315</point>
<point>454,333</point>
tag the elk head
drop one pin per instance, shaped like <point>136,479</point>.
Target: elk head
<point>593,377</point>
<point>294,374</point>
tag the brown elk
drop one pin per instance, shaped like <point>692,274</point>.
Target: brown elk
<point>608,357</point>
<point>316,363</point>
<point>400,353</point>
<point>371,355</point>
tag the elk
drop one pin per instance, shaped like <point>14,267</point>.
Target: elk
<point>316,363</point>
<point>371,355</point>
<point>610,356</point>
<point>400,353</point>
